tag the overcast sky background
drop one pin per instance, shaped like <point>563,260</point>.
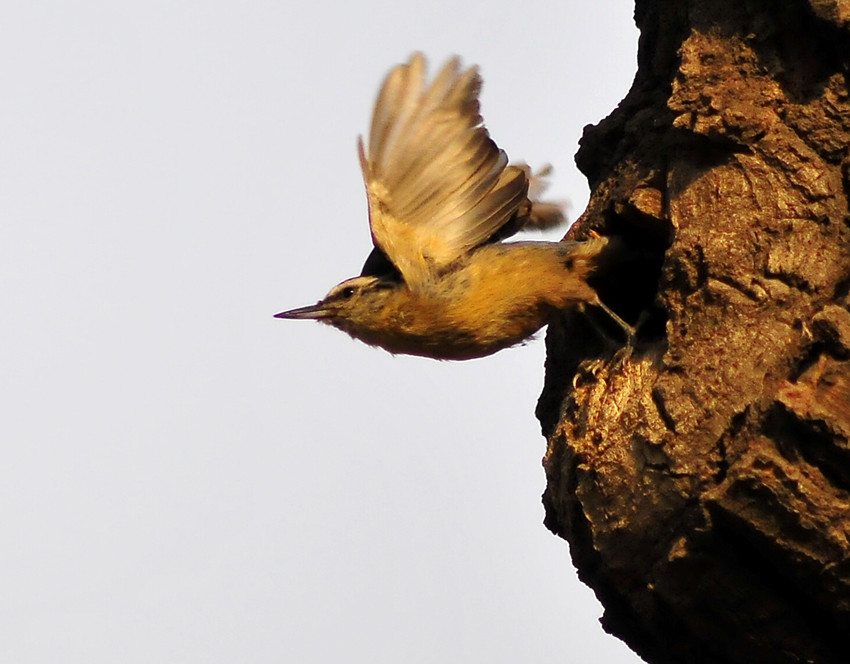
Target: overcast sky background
<point>185,478</point>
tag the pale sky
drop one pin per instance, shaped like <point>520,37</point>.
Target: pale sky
<point>187,479</point>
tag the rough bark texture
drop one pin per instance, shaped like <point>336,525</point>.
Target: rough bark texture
<point>702,478</point>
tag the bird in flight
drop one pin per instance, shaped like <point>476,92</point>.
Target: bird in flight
<point>440,281</point>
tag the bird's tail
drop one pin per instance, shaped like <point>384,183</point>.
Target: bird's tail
<point>543,214</point>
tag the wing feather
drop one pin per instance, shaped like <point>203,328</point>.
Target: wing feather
<point>444,188</point>
<point>437,184</point>
<point>499,206</point>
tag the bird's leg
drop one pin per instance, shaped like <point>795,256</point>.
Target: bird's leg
<point>628,329</point>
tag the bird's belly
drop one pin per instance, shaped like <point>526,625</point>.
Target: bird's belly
<point>457,332</point>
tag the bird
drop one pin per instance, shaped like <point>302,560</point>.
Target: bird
<point>441,281</point>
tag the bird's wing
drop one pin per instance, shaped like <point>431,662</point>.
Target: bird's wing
<point>437,184</point>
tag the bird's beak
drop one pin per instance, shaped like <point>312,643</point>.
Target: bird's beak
<point>310,312</point>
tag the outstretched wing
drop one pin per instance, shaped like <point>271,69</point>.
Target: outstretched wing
<point>437,184</point>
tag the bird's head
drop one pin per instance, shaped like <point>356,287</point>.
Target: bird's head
<point>356,305</point>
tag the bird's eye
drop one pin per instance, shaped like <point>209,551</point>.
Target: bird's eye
<point>347,292</point>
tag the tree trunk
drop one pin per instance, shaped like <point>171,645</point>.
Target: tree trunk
<point>701,477</point>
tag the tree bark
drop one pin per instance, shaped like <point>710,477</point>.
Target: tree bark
<point>702,477</point>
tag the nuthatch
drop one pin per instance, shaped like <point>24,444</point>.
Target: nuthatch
<point>439,281</point>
